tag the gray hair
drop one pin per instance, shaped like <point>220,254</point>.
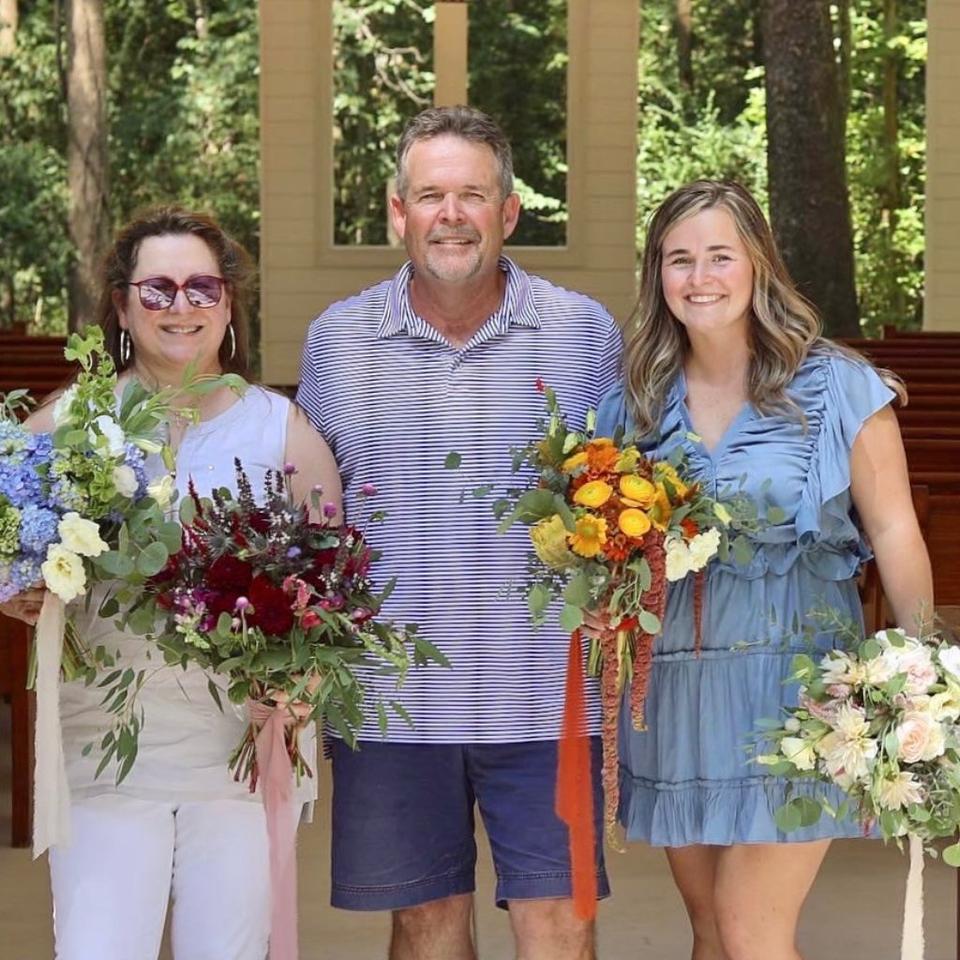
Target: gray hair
<point>468,123</point>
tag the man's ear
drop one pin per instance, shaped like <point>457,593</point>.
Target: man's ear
<point>511,214</point>
<point>398,215</point>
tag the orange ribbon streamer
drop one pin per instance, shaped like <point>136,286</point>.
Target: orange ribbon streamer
<point>574,802</point>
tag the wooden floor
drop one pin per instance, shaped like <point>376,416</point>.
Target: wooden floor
<point>853,912</point>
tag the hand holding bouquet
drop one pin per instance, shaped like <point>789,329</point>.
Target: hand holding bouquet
<point>610,528</point>
<point>76,509</point>
<point>881,721</point>
<point>281,606</point>
<point>285,610</point>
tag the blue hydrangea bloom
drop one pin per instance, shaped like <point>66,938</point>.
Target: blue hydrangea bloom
<point>38,528</point>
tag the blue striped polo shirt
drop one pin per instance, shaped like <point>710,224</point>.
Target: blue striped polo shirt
<point>393,398</point>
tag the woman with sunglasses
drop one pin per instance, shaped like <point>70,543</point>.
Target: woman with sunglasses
<point>174,301</point>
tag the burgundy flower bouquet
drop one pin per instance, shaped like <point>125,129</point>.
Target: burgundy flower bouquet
<point>283,607</point>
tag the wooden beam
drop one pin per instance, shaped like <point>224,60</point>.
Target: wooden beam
<point>450,53</point>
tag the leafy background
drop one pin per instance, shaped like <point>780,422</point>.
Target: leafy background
<point>183,96</point>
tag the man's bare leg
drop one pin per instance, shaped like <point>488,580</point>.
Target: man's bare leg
<point>439,930</point>
<point>550,930</point>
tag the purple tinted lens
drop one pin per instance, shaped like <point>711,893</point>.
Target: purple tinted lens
<point>203,291</point>
<point>157,293</point>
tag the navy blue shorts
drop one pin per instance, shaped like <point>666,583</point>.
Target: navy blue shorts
<point>403,827</point>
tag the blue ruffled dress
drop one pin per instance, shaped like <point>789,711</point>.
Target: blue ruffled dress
<point>689,777</point>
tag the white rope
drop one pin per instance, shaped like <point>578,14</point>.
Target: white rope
<point>912,946</point>
<point>51,792</point>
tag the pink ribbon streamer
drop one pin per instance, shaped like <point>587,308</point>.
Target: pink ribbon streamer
<point>276,785</point>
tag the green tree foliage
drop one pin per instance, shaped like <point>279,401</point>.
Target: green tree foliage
<point>715,127</point>
<point>383,75</point>
<point>521,45</point>
<point>33,203</point>
<point>183,128</point>
<point>184,125</point>
<point>889,240</point>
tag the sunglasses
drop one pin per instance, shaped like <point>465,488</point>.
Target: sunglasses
<point>158,293</point>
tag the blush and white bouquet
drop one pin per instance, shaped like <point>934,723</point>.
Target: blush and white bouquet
<point>880,720</point>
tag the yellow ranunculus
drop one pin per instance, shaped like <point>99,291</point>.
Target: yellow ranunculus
<point>590,535</point>
<point>549,538</point>
<point>593,494</point>
<point>664,471</point>
<point>639,491</point>
<point>576,461</point>
<point>661,510</point>
<point>633,522</point>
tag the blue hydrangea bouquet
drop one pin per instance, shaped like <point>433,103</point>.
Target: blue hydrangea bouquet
<point>76,509</point>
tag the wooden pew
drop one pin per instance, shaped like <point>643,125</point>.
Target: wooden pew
<point>14,658</point>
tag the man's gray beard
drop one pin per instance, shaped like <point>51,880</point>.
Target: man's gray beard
<point>464,272</point>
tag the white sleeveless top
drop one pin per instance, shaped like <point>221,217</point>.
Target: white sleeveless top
<point>186,740</point>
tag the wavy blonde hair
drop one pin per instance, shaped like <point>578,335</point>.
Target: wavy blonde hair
<point>785,326</point>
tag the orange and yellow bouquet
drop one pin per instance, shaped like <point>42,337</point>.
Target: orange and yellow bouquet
<point>610,529</point>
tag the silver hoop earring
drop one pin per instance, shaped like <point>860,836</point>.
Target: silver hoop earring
<point>125,347</point>
<point>233,341</point>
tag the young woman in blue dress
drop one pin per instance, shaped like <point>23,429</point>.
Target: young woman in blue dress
<point>724,357</point>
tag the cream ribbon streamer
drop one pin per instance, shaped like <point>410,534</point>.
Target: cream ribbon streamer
<point>51,792</point>
<point>912,946</point>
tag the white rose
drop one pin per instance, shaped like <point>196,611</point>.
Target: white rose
<point>949,658</point>
<point>63,572</point>
<point>703,547</point>
<point>678,560</point>
<point>110,431</point>
<point>916,663</point>
<point>61,409</point>
<point>901,791</point>
<point>162,490</point>
<point>125,480</point>
<point>799,752</point>
<point>81,536</point>
<point>919,737</point>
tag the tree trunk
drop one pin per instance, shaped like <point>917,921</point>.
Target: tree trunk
<point>8,27</point>
<point>845,38</point>
<point>685,42</point>
<point>87,161</point>
<point>809,206</point>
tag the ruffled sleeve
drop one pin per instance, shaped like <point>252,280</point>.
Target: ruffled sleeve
<point>826,528</point>
<point>612,412</point>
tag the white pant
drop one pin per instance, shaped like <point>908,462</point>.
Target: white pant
<point>111,885</point>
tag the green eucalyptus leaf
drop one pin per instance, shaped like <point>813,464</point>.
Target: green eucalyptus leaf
<point>649,622</point>
<point>153,558</point>
<point>115,564</point>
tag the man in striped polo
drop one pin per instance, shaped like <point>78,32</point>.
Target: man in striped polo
<point>444,357</point>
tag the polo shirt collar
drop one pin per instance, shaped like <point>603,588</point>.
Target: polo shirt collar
<point>517,307</point>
